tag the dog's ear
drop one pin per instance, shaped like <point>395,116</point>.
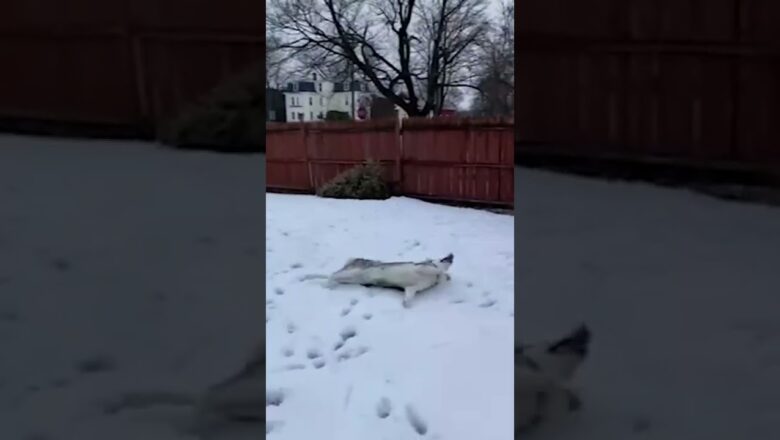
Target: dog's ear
<point>448,259</point>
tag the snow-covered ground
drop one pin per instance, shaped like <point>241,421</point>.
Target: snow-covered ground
<point>682,292</point>
<point>351,363</point>
<point>126,267</point>
<point>123,267</point>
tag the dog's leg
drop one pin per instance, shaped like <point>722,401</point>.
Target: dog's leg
<point>409,294</point>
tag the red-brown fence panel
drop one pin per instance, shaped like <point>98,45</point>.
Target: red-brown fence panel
<point>133,64</point>
<point>337,146</point>
<point>450,159</point>
<point>684,81</point>
<point>286,161</point>
<point>459,159</point>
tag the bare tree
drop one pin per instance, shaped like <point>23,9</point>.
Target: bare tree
<point>412,51</point>
<point>275,62</point>
<point>496,67</point>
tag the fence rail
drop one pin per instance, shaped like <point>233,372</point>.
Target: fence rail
<point>448,159</point>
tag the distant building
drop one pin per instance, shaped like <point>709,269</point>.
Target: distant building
<point>275,109</point>
<point>311,97</point>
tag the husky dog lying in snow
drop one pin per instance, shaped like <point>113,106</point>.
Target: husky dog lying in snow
<point>236,400</point>
<point>408,276</point>
<point>542,375</point>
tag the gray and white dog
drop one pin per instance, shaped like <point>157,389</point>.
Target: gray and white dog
<point>543,373</point>
<point>411,277</point>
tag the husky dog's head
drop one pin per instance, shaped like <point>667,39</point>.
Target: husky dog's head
<point>446,262</point>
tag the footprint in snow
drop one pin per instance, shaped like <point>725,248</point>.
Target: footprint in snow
<point>457,301</point>
<point>97,364</point>
<point>345,311</point>
<point>313,353</point>
<point>418,423</point>
<point>488,303</point>
<point>353,301</point>
<point>383,408</point>
<point>318,363</point>
<point>279,291</point>
<point>274,397</point>
<point>61,264</point>
<point>367,316</point>
<point>293,367</point>
<point>288,352</point>
<point>296,266</point>
<point>291,328</point>
<point>348,333</point>
<point>352,354</point>
<point>273,425</point>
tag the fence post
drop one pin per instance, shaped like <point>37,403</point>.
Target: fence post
<point>307,156</point>
<point>399,136</point>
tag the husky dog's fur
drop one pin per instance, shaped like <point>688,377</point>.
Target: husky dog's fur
<point>411,277</point>
<point>542,378</point>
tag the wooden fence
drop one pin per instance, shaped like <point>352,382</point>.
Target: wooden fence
<point>687,81</point>
<point>129,64</point>
<point>448,159</point>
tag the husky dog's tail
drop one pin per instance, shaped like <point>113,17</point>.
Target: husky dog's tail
<point>560,358</point>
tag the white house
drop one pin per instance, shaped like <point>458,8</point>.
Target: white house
<point>311,97</point>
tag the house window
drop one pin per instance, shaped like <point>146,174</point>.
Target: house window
<point>292,116</point>
<point>300,116</point>
<point>319,86</point>
<point>314,76</point>
<point>346,101</point>
<point>311,100</point>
